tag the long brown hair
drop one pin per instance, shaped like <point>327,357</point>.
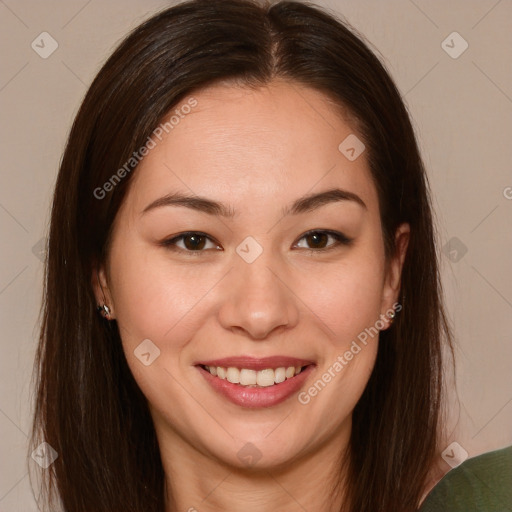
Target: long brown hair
<point>88,406</point>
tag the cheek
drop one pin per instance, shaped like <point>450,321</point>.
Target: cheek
<point>159,299</point>
<point>154,300</point>
<point>347,296</point>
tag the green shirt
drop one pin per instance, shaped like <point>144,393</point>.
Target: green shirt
<point>479,484</point>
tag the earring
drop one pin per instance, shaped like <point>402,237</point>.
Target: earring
<point>104,310</point>
<point>391,317</point>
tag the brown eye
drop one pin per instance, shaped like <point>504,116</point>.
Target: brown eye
<point>318,240</point>
<point>191,242</point>
<point>194,242</point>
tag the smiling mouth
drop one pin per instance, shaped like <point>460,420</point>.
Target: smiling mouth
<point>254,379</point>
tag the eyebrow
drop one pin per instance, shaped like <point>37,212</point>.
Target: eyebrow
<point>304,204</point>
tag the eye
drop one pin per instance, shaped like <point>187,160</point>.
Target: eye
<point>196,242</point>
<point>319,240</point>
<point>193,241</point>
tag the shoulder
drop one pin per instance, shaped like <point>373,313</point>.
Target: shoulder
<point>480,484</point>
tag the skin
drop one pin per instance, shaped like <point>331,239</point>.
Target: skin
<point>256,151</point>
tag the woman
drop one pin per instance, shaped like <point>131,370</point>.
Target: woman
<point>243,199</point>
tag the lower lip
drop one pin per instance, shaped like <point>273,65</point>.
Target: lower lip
<point>257,397</point>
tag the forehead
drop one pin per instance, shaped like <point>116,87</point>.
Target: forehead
<point>247,146</point>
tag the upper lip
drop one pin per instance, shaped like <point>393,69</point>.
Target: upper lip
<point>255,363</point>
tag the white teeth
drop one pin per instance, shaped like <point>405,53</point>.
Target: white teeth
<point>279,375</point>
<point>233,375</point>
<point>265,377</point>
<point>290,372</point>
<point>247,377</point>
<point>262,378</point>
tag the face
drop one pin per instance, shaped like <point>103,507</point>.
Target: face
<point>279,276</point>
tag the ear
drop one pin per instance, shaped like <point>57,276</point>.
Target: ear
<point>101,289</point>
<point>391,289</point>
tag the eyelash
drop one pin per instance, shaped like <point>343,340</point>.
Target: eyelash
<point>341,240</point>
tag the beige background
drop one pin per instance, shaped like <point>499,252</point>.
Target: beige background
<point>462,111</point>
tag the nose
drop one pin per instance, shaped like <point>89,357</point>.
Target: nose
<point>259,299</point>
